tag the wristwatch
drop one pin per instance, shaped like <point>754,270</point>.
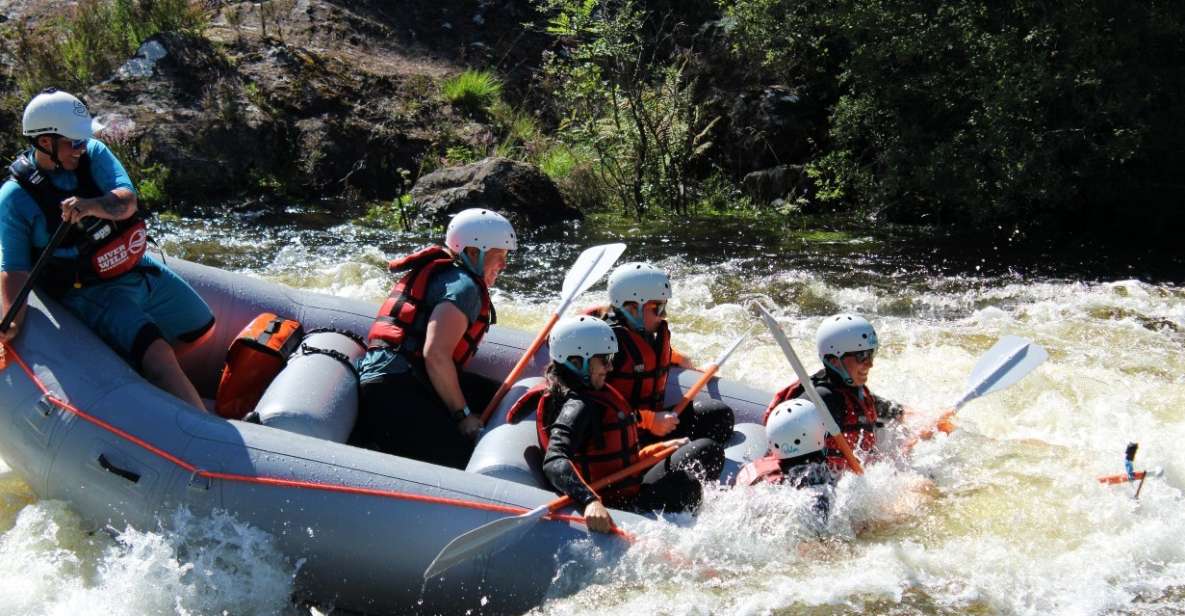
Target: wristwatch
<point>460,414</point>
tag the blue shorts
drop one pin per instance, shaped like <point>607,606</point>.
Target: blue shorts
<point>131,312</point>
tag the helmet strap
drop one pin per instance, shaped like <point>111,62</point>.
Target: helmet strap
<point>630,319</point>
<point>581,372</point>
<point>839,370</point>
<point>52,153</point>
<point>479,269</point>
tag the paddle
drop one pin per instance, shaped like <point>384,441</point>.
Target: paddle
<point>506,531</point>
<point>1007,362</point>
<point>34,274</point>
<point>711,371</point>
<point>828,421</point>
<point>588,269</point>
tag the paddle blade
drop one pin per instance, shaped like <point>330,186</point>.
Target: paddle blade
<point>485,540</point>
<point>780,337</point>
<point>589,267</point>
<point>1005,363</point>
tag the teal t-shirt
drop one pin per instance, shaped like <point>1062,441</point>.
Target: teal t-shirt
<point>23,230</point>
<point>450,285</point>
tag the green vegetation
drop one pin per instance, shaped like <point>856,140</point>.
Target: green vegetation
<point>625,94</point>
<point>91,39</point>
<point>397,214</point>
<point>153,184</point>
<point>971,114</point>
<point>474,91</point>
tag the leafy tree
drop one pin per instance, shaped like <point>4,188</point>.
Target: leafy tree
<point>624,93</point>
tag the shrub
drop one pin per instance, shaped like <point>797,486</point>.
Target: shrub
<point>474,91</point>
<point>91,39</point>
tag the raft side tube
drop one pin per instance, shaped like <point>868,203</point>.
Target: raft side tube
<point>316,394</point>
<point>511,451</point>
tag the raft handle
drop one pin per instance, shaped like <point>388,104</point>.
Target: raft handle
<point>111,468</point>
<point>46,405</point>
<point>197,472</point>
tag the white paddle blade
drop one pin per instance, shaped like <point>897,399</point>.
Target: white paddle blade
<point>1007,362</point>
<point>587,270</point>
<point>799,371</point>
<point>487,539</point>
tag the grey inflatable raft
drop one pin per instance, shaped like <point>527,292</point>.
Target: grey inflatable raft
<point>77,424</point>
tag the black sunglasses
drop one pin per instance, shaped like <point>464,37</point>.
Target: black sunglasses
<point>863,357</point>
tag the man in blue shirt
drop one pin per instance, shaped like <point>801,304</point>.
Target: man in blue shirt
<point>100,271</point>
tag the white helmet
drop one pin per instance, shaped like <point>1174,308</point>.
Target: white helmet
<point>844,333</point>
<point>480,228</point>
<point>582,336</point>
<point>638,282</point>
<point>795,429</point>
<point>54,112</point>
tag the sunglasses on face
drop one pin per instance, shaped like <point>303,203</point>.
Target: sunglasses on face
<point>862,357</point>
<point>659,308</point>
<point>76,144</point>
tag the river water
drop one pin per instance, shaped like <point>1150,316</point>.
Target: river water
<point>1002,516</point>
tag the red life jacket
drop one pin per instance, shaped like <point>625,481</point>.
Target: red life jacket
<point>394,326</point>
<point>641,365</point>
<point>615,448</point>
<point>106,248</point>
<point>254,359</point>
<point>858,424</point>
<point>762,470</point>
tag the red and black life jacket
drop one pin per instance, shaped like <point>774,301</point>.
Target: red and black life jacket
<point>106,248</point>
<point>642,363</point>
<point>614,448</point>
<point>858,424</point>
<point>396,324</point>
<point>254,359</point>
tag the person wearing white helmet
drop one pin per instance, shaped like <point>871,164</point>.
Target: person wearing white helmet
<point>796,435</point>
<point>588,431</point>
<point>638,296</point>
<point>412,402</point>
<point>100,271</point>
<point>847,345</point>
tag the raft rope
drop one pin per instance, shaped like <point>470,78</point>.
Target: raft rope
<point>345,332</point>
<point>195,471</point>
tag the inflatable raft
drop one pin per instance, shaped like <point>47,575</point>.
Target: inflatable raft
<point>79,425</point>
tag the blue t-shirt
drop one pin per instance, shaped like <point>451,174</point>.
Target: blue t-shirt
<point>450,285</point>
<point>23,230</point>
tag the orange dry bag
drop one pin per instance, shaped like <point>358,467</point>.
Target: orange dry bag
<point>255,357</point>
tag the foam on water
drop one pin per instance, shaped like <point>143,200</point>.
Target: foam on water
<point>51,564</point>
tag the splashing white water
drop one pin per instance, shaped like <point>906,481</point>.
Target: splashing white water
<point>50,564</point>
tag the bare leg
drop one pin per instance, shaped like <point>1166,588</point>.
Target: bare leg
<point>161,369</point>
<point>181,348</point>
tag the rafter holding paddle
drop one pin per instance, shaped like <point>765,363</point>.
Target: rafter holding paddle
<point>828,421</point>
<point>585,272</point>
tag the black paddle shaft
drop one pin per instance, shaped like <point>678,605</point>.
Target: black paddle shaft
<point>34,274</point>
